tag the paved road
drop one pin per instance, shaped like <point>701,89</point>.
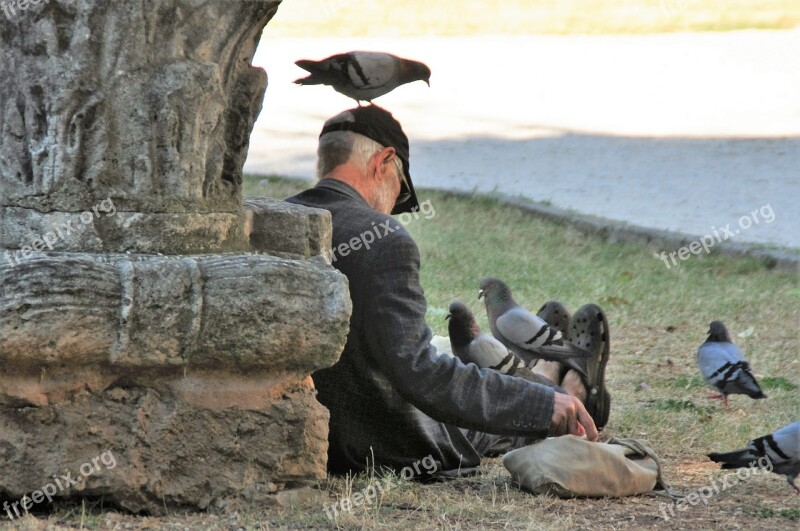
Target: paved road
<point>684,132</point>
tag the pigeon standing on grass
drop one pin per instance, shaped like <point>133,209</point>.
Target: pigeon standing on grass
<point>782,448</point>
<point>524,333</point>
<point>470,345</point>
<point>724,366</point>
<point>363,76</point>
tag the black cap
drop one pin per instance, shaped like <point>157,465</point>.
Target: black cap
<point>379,125</point>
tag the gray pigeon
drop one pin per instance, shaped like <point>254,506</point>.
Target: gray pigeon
<point>724,366</point>
<point>363,76</point>
<point>782,448</point>
<point>472,346</point>
<point>524,333</point>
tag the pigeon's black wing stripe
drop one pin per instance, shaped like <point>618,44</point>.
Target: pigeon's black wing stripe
<point>346,62</point>
<point>724,367</point>
<point>769,440</point>
<point>729,374</point>
<point>775,448</point>
<point>513,370</point>
<point>541,331</point>
<point>503,362</point>
<point>759,444</point>
<point>730,368</point>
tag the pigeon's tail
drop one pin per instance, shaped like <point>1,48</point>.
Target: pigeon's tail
<point>735,459</point>
<point>319,74</point>
<point>561,352</point>
<point>750,385</point>
<point>744,384</point>
<point>309,66</point>
<point>549,354</point>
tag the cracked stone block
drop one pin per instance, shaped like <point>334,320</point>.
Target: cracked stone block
<point>282,228</point>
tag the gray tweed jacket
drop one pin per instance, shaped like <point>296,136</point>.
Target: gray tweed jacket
<point>392,399</point>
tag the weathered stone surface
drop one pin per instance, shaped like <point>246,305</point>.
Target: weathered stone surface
<point>147,104</point>
<point>236,312</point>
<point>282,228</point>
<point>192,371</point>
<point>124,126</point>
<point>25,230</point>
<point>168,445</point>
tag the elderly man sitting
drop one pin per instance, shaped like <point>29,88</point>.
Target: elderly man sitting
<point>393,399</point>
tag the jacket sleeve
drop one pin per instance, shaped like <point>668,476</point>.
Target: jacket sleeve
<point>440,386</point>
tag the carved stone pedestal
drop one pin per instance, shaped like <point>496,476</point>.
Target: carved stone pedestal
<point>146,317</point>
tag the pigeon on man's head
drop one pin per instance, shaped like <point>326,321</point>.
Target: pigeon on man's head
<point>723,366</point>
<point>524,333</point>
<point>363,76</point>
<point>470,345</point>
<point>781,448</point>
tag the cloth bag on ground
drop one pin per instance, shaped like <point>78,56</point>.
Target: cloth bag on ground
<point>571,466</point>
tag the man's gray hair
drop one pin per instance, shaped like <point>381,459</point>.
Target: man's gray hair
<point>338,147</point>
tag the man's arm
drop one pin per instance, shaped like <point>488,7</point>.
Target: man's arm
<point>440,386</point>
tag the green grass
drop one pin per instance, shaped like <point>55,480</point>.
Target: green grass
<point>789,514</point>
<point>357,18</point>
<point>778,383</point>
<point>658,317</point>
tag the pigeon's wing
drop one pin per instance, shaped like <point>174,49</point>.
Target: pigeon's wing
<point>724,367</point>
<point>717,362</point>
<point>486,351</point>
<point>531,334</point>
<point>368,70</point>
<point>784,444</point>
<point>784,451</point>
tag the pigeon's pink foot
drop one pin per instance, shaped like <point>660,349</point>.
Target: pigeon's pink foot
<point>719,396</point>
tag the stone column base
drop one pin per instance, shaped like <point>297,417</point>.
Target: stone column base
<point>160,381</point>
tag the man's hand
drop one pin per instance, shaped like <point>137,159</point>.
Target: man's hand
<point>570,417</point>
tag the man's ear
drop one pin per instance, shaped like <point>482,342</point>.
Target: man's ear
<point>379,160</point>
<point>388,154</point>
